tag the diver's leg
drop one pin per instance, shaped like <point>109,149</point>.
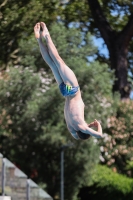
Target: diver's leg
<point>66,73</point>
<point>46,56</point>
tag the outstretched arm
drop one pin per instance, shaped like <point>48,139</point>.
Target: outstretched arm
<point>86,129</point>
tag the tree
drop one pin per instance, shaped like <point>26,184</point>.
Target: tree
<point>17,22</point>
<point>113,21</point>
<point>31,107</point>
<point>117,146</point>
<point>117,41</point>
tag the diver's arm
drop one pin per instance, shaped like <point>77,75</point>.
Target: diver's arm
<point>86,129</point>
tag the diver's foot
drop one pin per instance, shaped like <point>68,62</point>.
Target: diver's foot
<point>45,31</point>
<point>37,30</point>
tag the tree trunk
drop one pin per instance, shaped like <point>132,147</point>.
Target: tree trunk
<point>117,43</point>
<point>118,62</point>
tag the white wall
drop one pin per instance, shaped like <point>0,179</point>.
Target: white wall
<point>5,198</point>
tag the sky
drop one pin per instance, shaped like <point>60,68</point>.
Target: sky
<point>99,42</point>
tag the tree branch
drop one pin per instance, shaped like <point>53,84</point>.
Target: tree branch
<point>102,24</point>
<point>127,33</point>
<point>3,4</point>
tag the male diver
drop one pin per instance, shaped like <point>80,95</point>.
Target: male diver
<point>69,87</point>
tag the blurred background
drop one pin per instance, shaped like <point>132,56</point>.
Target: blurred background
<point>94,38</point>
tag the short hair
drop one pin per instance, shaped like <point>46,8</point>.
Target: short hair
<point>83,136</point>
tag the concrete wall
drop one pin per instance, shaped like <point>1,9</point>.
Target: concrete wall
<point>5,198</point>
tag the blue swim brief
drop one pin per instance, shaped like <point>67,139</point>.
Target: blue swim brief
<point>67,90</point>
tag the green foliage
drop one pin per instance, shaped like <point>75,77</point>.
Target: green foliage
<point>96,93</point>
<point>35,131</point>
<point>129,165</point>
<point>109,178</point>
<point>107,184</point>
<point>117,145</point>
<point>17,21</point>
<point>31,108</point>
<point>91,76</point>
<point>75,11</point>
<point>116,17</point>
<point>116,12</point>
<point>75,44</point>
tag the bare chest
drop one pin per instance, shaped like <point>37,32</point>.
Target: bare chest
<point>74,111</point>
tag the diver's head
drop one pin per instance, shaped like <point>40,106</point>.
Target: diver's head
<point>83,136</point>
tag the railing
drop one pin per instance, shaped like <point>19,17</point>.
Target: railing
<point>14,183</point>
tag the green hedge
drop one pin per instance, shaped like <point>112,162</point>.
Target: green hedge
<point>107,185</point>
